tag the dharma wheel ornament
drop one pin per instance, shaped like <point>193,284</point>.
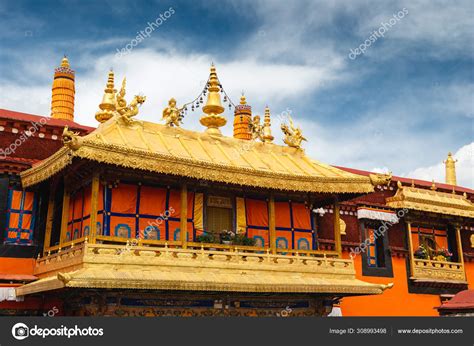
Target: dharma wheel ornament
<point>213,107</point>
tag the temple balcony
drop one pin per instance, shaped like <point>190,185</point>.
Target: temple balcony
<point>196,267</point>
<point>438,272</point>
<point>431,264</point>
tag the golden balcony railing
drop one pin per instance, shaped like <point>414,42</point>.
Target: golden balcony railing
<point>437,271</point>
<point>112,264</point>
<point>73,254</point>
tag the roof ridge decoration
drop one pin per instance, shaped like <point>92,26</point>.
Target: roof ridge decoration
<point>114,103</point>
<point>169,149</point>
<point>63,92</point>
<point>450,169</point>
<point>293,134</point>
<point>380,179</point>
<point>213,119</point>
<point>172,115</point>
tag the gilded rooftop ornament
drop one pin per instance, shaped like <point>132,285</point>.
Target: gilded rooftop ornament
<point>71,139</point>
<point>242,120</point>
<point>293,135</point>
<point>382,179</point>
<point>114,103</point>
<point>267,129</point>
<point>256,128</point>
<point>127,111</point>
<point>107,107</point>
<point>213,108</point>
<point>450,170</point>
<point>172,115</point>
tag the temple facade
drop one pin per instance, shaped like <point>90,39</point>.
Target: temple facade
<point>135,218</point>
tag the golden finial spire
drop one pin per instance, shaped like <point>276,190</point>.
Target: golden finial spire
<point>243,100</point>
<point>267,129</point>
<point>450,170</point>
<point>108,105</point>
<point>65,62</point>
<point>213,108</point>
<point>413,183</point>
<point>63,92</point>
<point>433,185</point>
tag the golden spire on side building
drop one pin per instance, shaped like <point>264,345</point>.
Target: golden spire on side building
<point>63,91</point>
<point>108,105</point>
<point>213,108</point>
<point>450,170</point>
<point>267,129</point>
<point>242,118</point>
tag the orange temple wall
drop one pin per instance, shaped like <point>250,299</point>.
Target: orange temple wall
<point>396,301</point>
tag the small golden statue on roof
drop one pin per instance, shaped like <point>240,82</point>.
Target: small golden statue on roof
<point>293,135</point>
<point>172,115</point>
<point>256,128</point>
<point>131,109</point>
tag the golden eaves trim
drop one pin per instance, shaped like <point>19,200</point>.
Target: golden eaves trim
<point>198,169</point>
<point>431,201</point>
<point>196,281</point>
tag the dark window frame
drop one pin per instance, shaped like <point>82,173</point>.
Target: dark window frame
<point>381,242</point>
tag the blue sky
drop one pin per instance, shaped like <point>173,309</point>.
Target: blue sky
<point>402,105</point>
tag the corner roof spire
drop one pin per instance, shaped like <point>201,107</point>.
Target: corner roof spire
<point>450,169</point>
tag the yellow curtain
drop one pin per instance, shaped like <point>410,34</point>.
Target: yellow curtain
<point>241,218</point>
<point>198,211</point>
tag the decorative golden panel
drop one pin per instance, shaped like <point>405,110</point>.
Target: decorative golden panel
<point>427,270</point>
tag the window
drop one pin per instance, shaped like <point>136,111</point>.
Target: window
<point>20,217</point>
<point>376,259</point>
<point>219,214</point>
<point>375,249</point>
<point>430,243</point>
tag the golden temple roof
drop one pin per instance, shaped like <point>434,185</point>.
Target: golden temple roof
<point>200,155</point>
<point>431,201</point>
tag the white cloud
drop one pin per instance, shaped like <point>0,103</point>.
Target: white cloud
<point>383,170</point>
<point>464,168</point>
